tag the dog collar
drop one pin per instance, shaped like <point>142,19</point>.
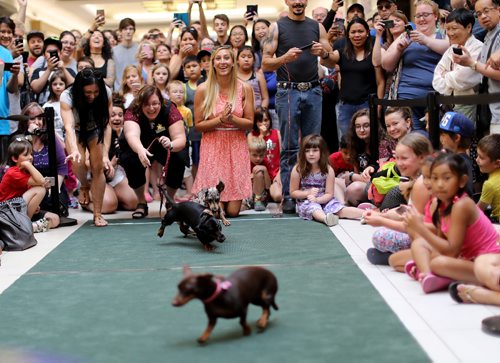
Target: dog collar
<point>221,286</point>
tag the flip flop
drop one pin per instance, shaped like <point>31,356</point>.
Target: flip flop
<point>453,290</point>
<point>491,325</point>
<point>101,221</point>
<point>141,211</point>
<point>411,270</point>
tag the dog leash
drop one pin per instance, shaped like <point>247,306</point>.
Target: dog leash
<point>162,182</point>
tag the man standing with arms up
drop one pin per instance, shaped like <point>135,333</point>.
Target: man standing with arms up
<point>299,96</point>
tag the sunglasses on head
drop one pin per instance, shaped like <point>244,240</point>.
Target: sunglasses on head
<point>89,73</point>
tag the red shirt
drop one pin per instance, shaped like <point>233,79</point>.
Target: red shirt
<point>14,183</point>
<point>272,158</point>
<point>338,163</point>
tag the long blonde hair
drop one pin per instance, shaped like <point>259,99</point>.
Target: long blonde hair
<point>213,88</point>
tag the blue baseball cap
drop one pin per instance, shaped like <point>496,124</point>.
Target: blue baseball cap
<point>457,123</point>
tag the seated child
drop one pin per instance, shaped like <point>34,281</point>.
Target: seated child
<point>341,160</point>
<point>455,134</point>
<point>488,159</point>
<point>264,188</point>
<point>312,184</point>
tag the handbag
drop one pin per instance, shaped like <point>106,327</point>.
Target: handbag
<point>385,183</point>
<point>16,230</point>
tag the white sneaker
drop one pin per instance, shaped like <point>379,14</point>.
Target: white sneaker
<point>331,219</point>
<point>42,225</point>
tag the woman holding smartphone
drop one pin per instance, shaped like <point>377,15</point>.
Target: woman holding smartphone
<point>146,54</point>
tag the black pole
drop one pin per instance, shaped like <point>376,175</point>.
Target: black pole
<point>54,190</point>
<point>433,115</point>
<point>374,136</point>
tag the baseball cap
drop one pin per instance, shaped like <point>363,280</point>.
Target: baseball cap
<point>356,5</point>
<point>457,123</point>
<point>35,34</point>
<point>52,40</point>
<point>202,53</point>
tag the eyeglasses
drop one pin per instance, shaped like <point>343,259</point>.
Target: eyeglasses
<point>153,105</point>
<point>386,6</point>
<point>485,11</point>
<point>423,15</point>
<point>89,73</point>
<point>364,126</point>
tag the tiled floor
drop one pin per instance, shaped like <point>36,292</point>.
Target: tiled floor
<point>449,332</point>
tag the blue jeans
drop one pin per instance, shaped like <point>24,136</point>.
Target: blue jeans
<point>346,110</point>
<point>300,115</point>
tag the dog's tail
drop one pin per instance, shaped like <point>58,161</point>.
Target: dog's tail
<point>273,304</point>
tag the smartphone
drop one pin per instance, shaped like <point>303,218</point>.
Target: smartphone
<point>252,9</point>
<point>18,41</point>
<point>306,46</point>
<point>408,29</point>
<point>7,66</point>
<point>388,24</point>
<point>54,54</point>
<point>183,17</point>
<point>340,3</point>
<point>99,12</point>
<point>457,51</point>
<point>404,179</point>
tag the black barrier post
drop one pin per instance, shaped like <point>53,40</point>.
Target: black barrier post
<point>433,116</point>
<point>374,141</point>
<point>54,190</point>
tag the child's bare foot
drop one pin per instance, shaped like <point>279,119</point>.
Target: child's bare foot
<point>99,221</point>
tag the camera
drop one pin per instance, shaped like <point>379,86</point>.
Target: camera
<point>388,24</point>
<point>38,132</point>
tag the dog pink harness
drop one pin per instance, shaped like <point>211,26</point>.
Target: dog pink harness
<point>221,286</point>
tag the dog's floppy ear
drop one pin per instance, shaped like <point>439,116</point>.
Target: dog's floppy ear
<point>187,271</point>
<point>220,186</point>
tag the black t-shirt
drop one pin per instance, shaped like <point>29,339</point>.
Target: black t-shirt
<point>357,79</point>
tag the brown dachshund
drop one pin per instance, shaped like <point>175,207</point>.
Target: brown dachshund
<point>229,297</point>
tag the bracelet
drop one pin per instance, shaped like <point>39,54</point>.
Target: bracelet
<point>474,66</point>
<point>325,56</point>
<point>171,146</point>
<point>90,31</point>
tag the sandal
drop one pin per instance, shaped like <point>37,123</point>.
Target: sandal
<point>141,211</point>
<point>84,196</point>
<point>411,270</point>
<point>99,221</point>
<point>453,290</point>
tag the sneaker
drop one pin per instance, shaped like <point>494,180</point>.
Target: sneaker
<point>259,206</point>
<point>378,257</point>
<point>331,219</point>
<point>431,283</point>
<point>42,225</point>
<point>289,206</point>
<point>73,202</point>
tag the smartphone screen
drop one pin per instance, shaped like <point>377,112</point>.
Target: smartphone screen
<point>7,66</point>
<point>182,16</point>
<point>252,9</point>
<point>100,12</point>
<point>306,46</point>
<point>457,51</point>
<point>408,29</point>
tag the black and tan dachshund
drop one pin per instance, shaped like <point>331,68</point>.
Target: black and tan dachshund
<point>210,198</point>
<point>229,297</point>
<point>192,217</point>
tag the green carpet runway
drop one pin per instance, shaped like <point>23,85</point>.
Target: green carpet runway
<point>104,295</point>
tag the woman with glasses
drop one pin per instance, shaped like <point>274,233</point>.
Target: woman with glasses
<point>97,47</point>
<point>154,132</point>
<point>188,45</point>
<point>420,50</point>
<point>223,112</point>
<point>85,110</point>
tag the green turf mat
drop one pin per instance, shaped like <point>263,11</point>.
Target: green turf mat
<point>104,296</point>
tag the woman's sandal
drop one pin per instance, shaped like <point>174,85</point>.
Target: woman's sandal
<point>99,221</point>
<point>453,290</point>
<point>84,196</point>
<point>141,211</point>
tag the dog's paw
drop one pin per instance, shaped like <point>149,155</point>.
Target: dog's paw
<point>226,222</point>
<point>160,232</point>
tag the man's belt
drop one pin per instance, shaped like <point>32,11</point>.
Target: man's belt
<point>301,86</point>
